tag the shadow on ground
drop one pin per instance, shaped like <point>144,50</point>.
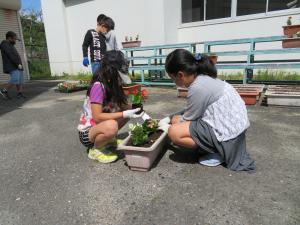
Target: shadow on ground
<point>32,89</point>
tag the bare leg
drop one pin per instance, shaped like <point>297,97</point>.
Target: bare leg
<point>103,132</point>
<point>180,135</point>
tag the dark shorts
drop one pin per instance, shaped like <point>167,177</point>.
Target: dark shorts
<point>232,151</point>
<point>84,138</point>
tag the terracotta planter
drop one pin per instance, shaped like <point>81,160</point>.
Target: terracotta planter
<point>141,158</point>
<point>249,98</point>
<point>129,88</point>
<point>291,43</point>
<point>289,31</point>
<point>182,92</point>
<point>213,58</point>
<point>131,44</point>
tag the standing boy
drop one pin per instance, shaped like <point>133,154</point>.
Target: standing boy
<point>95,40</point>
<point>12,65</point>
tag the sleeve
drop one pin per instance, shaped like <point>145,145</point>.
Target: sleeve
<point>13,56</point>
<point>115,43</point>
<point>97,94</point>
<point>197,103</point>
<point>86,43</point>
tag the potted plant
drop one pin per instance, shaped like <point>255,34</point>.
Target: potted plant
<point>290,31</point>
<point>143,145</point>
<point>130,43</point>
<point>137,97</point>
<point>71,86</point>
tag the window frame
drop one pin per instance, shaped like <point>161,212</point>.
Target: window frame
<point>235,18</point>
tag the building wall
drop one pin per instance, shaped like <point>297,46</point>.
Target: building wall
<point>67,22</point>
<point>156,22</point>
<point>10,21</point>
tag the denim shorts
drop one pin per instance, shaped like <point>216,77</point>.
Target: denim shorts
<point>16,77</point>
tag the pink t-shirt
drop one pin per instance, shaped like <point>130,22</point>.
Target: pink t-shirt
<point>97,94</point>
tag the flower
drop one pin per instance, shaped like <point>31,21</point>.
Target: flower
<point>144,93</point>
<point>137,96</point>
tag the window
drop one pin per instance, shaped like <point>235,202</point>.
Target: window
<point>216,9</point>
<point>283,4</point>
<point>192,10</point>
<point>246,7</point>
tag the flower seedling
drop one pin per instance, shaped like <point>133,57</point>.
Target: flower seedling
<point>140,132</point>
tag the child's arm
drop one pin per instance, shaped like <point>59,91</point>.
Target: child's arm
<point>99,115</point>
<point>86,43</point>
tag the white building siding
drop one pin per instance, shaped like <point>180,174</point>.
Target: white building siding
<point>10,21</point>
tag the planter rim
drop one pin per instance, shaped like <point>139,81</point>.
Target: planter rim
<point>295,25</point>
<point>248,93</point>
<point>124,147</point>
<point>127,42</point>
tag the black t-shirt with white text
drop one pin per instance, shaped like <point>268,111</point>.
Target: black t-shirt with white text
<point>96,42</point>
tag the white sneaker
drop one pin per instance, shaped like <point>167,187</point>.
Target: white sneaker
<point>211,159</point>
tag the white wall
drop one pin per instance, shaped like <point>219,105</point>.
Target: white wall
<point>172,19</point>
<point>58,41</point>
<point>67,24</point>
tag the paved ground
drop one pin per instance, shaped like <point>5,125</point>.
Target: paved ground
<point>46,177</point>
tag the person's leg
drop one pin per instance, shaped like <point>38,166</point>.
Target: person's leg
<point>180,135</point>
<point>176,119</point>
<point>103,132</point>
<point>19,86</point>
<point>95,66</point>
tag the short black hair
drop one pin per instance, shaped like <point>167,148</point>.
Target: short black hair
<point>100,18</point>
<point>111,23</point>
<point>11,34</point>
<point>106,22</point>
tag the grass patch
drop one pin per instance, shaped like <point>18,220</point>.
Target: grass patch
<point>276,75</point>
<point>39,69</point>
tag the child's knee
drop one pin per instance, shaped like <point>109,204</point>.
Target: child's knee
<point>111,128</point>
<point>173,133</point>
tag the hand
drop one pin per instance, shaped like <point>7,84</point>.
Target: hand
<point>20,67</point>
<point>164,121</point>
<point>145,116</point>
<point>131,113</point>
<point>164,127</point>
<point>86,61</point>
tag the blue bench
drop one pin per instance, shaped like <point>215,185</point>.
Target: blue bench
<point>152,54</point>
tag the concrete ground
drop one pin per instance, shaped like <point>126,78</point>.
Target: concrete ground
<point>46,177</point>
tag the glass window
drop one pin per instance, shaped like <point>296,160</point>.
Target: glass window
<point>216,9</point>
<point>192,10</point>
<point>246,7</point>
<point>283,4</point>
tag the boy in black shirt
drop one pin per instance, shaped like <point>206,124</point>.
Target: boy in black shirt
<point>95,40</point>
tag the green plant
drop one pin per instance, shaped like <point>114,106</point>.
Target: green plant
<point>289,21</point>
<point>140,132</point>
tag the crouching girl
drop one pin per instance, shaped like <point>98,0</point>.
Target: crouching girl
<point>215,118</point>
<point>105,109</point>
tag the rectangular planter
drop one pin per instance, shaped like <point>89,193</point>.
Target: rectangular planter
<point>291,43</point>
<point>249,98</point>
<point>130,88</point>
<point>283,95</point>
<point>290,30</point>
<point>131,44</point>
<point>140,158</point>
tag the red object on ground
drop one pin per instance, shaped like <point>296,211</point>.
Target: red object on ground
<point>249,97</point>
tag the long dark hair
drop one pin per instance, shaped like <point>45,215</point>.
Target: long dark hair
<point>183,60</point>
<point>108,74</point>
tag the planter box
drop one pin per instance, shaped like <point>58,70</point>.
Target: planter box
<point>131,44</point>
<point>182,92</point>
<point>213,58</point>
<point>129,88</point>
<point>289,31</point>
<point>249,98</point>
<point>141,158</point>
<point>283,95</point>
<point>291,43</point>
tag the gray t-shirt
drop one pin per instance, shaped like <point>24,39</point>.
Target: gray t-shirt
<point>203,92</point>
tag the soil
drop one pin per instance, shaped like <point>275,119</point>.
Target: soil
<point>134,106</point>
<point>152,138</point>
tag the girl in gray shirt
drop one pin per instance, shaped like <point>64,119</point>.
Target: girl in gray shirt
<point>215,118</point>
